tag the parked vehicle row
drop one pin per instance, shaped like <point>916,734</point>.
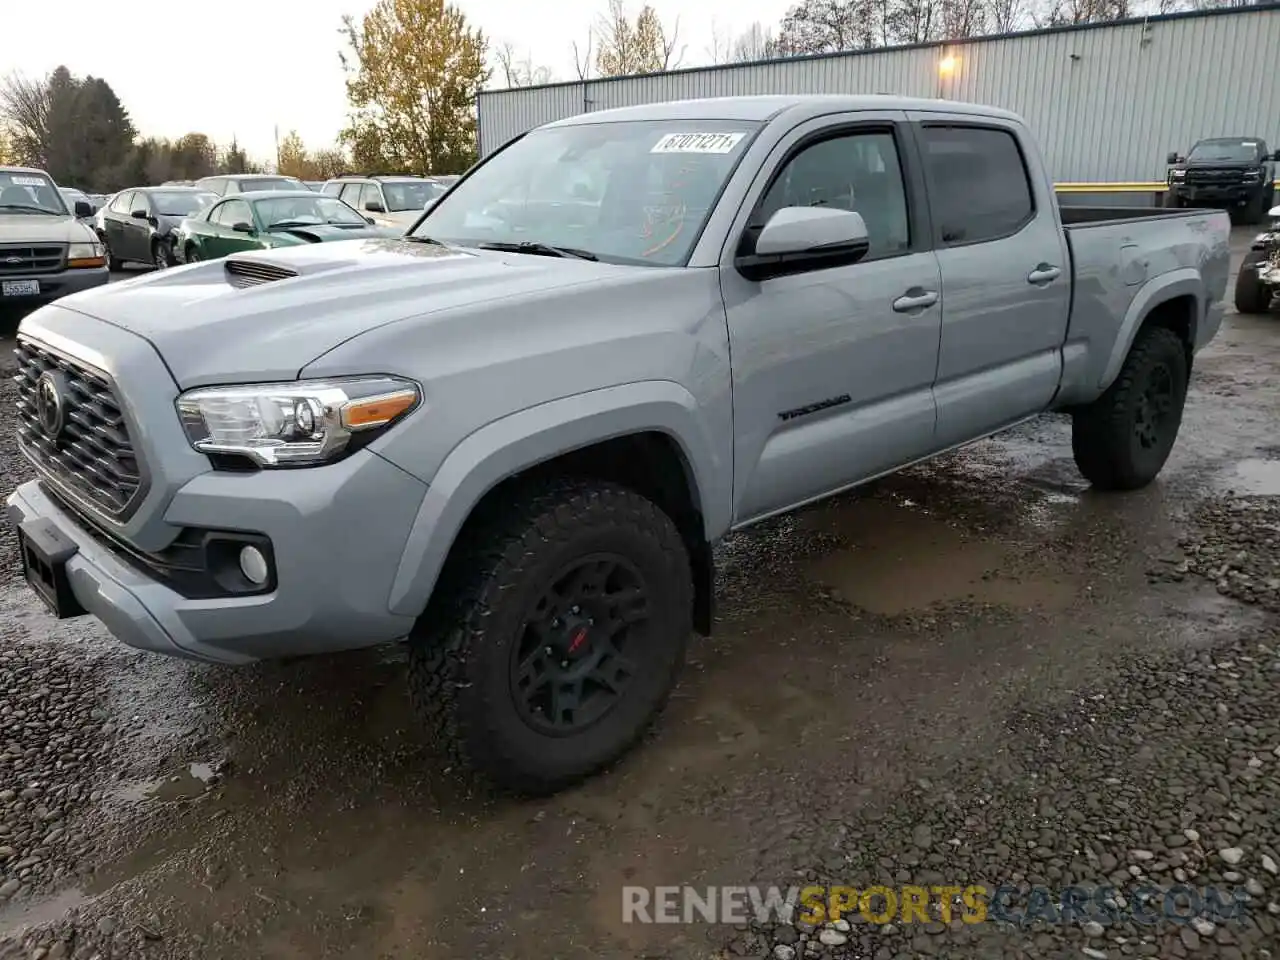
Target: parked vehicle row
<point>141,225</point>
<point>512,436</point>
<point>392,201</point>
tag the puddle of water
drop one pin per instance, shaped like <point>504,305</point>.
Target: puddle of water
<point>903,560</point>
<point>29,913</point>
<point>1256,477</point>
<point>187,784</point>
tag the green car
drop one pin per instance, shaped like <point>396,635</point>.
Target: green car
<point>275,218</point>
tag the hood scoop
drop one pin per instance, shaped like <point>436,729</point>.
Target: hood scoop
<point>254,273</point>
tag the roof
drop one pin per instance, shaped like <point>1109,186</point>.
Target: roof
<point>171,188</point>
<point>758,109</point>
<point>257,195</point>
<point>7,169</point>
<point>248,176</point>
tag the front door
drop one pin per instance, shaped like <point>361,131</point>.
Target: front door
<point>833,369</point>
<point>1006,273</point>
<point>136,243</point>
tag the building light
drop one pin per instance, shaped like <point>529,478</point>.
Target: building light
<point>947,65</point>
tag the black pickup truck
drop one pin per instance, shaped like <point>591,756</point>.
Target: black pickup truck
<point>1235,173</point>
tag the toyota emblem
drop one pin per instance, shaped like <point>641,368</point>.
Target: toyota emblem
<point>49,405</point>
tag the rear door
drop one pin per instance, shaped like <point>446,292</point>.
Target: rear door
<point>1006,273</point>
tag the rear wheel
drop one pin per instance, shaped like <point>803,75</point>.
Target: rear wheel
<point>1252,295</point>
<point>558,636</point>
<point>1122,440</point>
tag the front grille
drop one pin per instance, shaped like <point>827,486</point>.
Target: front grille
<point>250,273</point>
<point>92,457</point>
<point>1214,176</point>
<point>26,259</point>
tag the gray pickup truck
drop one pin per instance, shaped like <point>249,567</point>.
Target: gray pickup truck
<point>46,248</point>
<point>512,436</point>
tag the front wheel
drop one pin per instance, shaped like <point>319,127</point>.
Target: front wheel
<point>160,256</point>
<point>192,254</point>
<point>114,265</point>
<point>558,636</point>
<point>1252,295</point>
<point>1122,440</point>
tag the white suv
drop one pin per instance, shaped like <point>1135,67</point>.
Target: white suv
<point>391,201</point>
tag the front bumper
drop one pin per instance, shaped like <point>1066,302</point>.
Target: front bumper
<point>1234,193</point>
<point>55,285</point>
<point>337,534</point>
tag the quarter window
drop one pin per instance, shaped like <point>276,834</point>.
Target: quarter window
<point>978,183</point>
<point>121,203</point>
<point>860,172</point>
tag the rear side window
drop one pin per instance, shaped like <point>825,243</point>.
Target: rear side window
<point>979,189</point>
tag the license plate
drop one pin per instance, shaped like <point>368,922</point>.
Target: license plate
<point>45,550</point>
<point>20,288</point>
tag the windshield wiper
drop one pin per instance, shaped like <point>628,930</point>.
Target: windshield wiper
<point>538,248</point>
<point>27,206</point>
<point>414,238</point>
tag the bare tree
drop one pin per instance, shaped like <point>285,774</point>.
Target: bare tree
<point>25,107</point>
<point>582,58</point>
<point>757,42</point>
<point>520,71</point>
<point>645,45</point>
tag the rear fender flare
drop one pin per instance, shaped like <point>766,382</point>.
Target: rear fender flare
<point>522,440</point>
<point>1168,286</point>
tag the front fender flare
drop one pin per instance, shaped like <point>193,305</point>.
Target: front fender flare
<point>522,440</point>
<point>1183,282</point>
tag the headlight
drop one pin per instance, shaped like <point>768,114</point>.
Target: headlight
<point>1251,175</point>
<point>303,423</point>
<point>86,254</point>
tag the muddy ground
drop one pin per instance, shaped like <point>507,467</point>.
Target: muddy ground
<point>978,671</point>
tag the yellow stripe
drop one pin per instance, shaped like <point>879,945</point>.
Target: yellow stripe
<point>1137,187</point>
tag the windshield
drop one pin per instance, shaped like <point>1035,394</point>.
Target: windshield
<point>410,194</point>
<point>32,193</point>
<point>1232,151</point>
<point>270,183</point>
<point>180,203</point>
<point>307,211</point>
<point>638,191</point>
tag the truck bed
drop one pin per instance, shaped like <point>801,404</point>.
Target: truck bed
<point>1122,258</point>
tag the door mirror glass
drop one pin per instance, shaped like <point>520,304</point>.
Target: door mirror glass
<point>1173,157</point>
<point>796,230</point>
<point>242,227</point>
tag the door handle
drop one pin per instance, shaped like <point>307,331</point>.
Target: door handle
<point>915,299</point>
<point>1043,273</point>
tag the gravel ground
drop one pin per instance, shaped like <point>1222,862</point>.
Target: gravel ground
<point>978,672</point>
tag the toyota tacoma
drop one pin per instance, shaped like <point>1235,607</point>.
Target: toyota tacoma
<point>511,437</point>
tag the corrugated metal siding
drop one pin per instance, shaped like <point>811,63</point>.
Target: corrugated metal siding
<point>1107,104</point>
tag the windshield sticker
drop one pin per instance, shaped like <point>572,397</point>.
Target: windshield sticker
<point>27,181</point>
<point>697,143</point>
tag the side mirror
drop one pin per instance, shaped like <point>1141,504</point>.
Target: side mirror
<point>83,209</point>
<point>1274,156</point>
<point>139,214</point>
<point>242,227</point>
<point>1172,157</point>
<point>797,239</point>
<point>373,206</point>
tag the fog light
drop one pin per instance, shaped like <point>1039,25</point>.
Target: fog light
<point>253,565</point>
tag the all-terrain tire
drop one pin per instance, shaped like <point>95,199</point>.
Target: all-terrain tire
<point>1256,211</point>
<point>1252,295</point>
<point>460,680</point>
<point>1104,435</point>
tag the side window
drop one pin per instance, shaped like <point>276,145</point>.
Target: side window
<point>121,203</point>
<point>370,194</point>
<point>978,183</point>
<point>236,211</point>
<point>351,194</point>
<point>331,189</point>
<point>140,202</point>
<point>860,172</point>
<point>218,215</point>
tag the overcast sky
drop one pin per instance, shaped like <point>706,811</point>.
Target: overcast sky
<point>243,66</point>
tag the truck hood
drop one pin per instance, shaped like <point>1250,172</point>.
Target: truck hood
<point>36,228</point>
<point>210,331</point>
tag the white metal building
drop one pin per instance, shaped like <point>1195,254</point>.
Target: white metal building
<point>1107,101</point>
